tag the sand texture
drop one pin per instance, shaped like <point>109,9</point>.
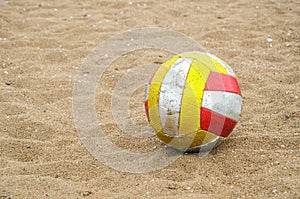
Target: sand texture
<point>43,45</point>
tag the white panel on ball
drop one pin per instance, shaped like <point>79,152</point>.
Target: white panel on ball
<point>171,92</point>
<point>225,103</point>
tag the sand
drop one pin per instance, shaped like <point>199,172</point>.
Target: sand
<point>43,46</point>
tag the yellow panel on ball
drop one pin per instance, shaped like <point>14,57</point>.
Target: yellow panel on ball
<point>204,62</point>
<point>189,120</point>
<point>220,68</point>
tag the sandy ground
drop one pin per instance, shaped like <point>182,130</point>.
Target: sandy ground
<point>43,45</point>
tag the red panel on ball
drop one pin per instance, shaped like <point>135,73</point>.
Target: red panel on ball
<point>216,123</point>
<point>147,110</point>
<point>222,82</point>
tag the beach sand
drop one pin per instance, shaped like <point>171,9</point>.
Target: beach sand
<point>43,46</point>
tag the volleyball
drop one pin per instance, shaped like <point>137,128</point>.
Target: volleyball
<point>193,101</point>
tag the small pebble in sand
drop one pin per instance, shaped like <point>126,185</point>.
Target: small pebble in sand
<point>270,40</point>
